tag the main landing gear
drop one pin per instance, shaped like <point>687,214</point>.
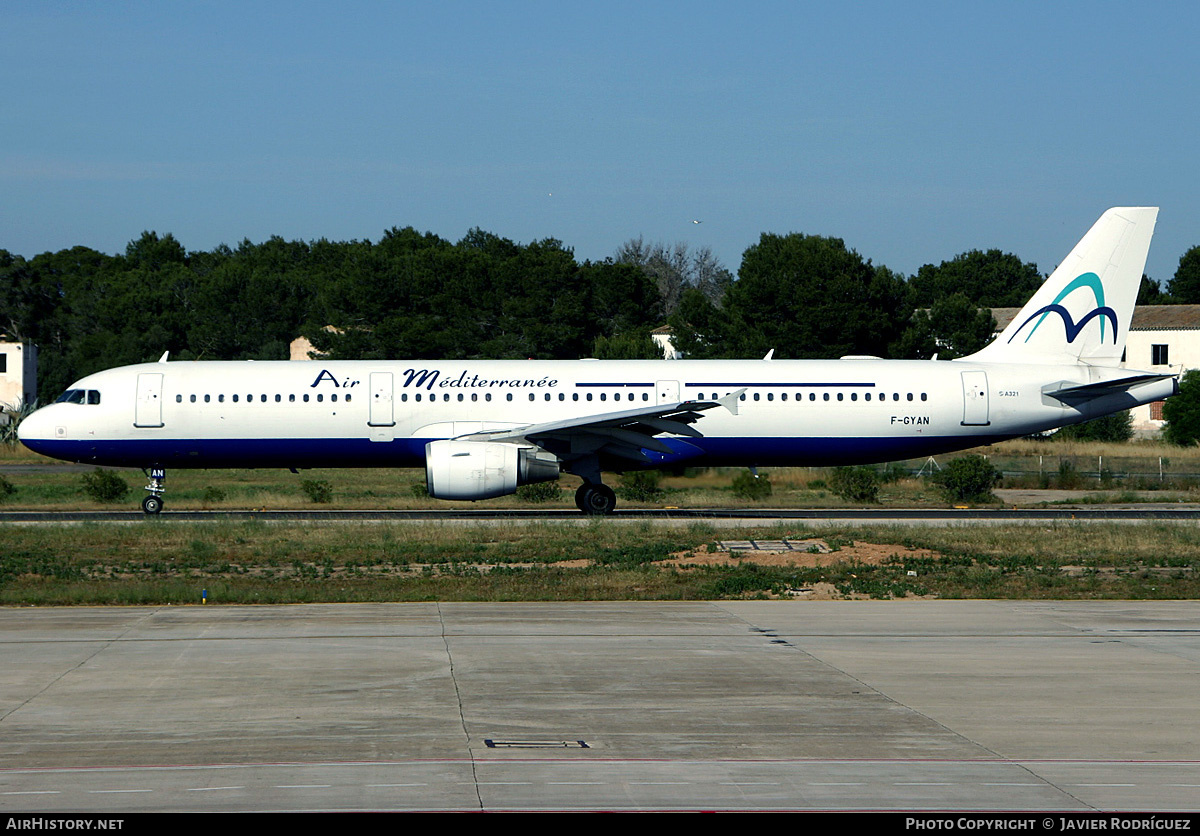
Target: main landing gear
<point>153,503</point>
<point>595,499</point>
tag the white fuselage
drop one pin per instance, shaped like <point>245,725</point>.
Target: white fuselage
<point>383,413</point>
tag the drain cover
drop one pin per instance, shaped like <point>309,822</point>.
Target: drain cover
<point>536,744</point>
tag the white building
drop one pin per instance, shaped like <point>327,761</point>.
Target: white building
<point>18,375</point>
<point>1161,337</point>
<point>662,336</point>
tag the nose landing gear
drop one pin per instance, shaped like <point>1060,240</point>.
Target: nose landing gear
<point>153,503</point>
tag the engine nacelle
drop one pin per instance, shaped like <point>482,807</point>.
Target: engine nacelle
<point>482,470</point>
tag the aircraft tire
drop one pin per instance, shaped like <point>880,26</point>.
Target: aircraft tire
<point>595,500</point>
<point>152,504</point>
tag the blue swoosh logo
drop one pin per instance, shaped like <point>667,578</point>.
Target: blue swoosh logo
<point>1084,280</point>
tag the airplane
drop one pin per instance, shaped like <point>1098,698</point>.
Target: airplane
<point>482,428</point>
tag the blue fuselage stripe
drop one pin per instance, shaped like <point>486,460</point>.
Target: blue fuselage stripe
<point>410,452</point>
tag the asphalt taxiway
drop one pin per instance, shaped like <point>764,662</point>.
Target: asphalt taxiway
<point>792,705</point>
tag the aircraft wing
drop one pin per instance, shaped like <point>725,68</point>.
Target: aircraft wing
<point>624,434</point>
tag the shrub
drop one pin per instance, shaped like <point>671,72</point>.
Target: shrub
<point>1182,412</point>
<point>1068,476</point>
<point>6,489</point>
<point>748,486</point>
<point>317,490</point>
<point>641,486</point>
<point>1112,428</point>
<point>539,492</point>
<point>104,485</point>
<point>968,479</point>
<point>419,489</point>
<point>212,495</point>
<point>855,484</point>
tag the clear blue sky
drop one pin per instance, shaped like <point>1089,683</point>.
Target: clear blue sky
<point>914,131</point>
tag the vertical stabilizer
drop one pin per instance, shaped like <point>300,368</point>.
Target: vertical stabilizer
<point>1082,312</point>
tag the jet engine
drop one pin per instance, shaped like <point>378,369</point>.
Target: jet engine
<point>481,469</point>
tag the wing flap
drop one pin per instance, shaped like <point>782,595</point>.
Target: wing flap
<point>625,434</point>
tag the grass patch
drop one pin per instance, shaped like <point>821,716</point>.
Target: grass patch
<point>250,562</point>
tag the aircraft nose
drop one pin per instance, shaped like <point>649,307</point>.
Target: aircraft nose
<point>34,428</point>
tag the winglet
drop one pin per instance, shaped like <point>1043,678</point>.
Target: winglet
<point>730,401</point>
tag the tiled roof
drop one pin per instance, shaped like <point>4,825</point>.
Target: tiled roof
<point>1145,317</point>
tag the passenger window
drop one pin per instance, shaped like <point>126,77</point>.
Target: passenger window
<point>179,399</point>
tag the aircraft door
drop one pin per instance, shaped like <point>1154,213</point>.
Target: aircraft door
<point>148,407</point>
<point>668,391</point>
<point>381,401</point>
<point>975,399</point>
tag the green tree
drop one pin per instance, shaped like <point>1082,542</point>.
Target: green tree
<point>952,327</point>
<point>1150,292</point>
<point>1184,287</point>
<point>1182,412</point>
<point>991,279</point>
<point>811,296</point>
<point>629,346</point>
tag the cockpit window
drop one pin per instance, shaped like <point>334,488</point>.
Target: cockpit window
<point>88,396</point>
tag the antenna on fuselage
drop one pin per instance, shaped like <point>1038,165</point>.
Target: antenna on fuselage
<point>163,359</point>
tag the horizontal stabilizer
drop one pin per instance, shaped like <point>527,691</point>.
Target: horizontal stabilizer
<point>1089,391</point>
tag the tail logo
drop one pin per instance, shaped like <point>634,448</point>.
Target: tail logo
<point>1085,280</point>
